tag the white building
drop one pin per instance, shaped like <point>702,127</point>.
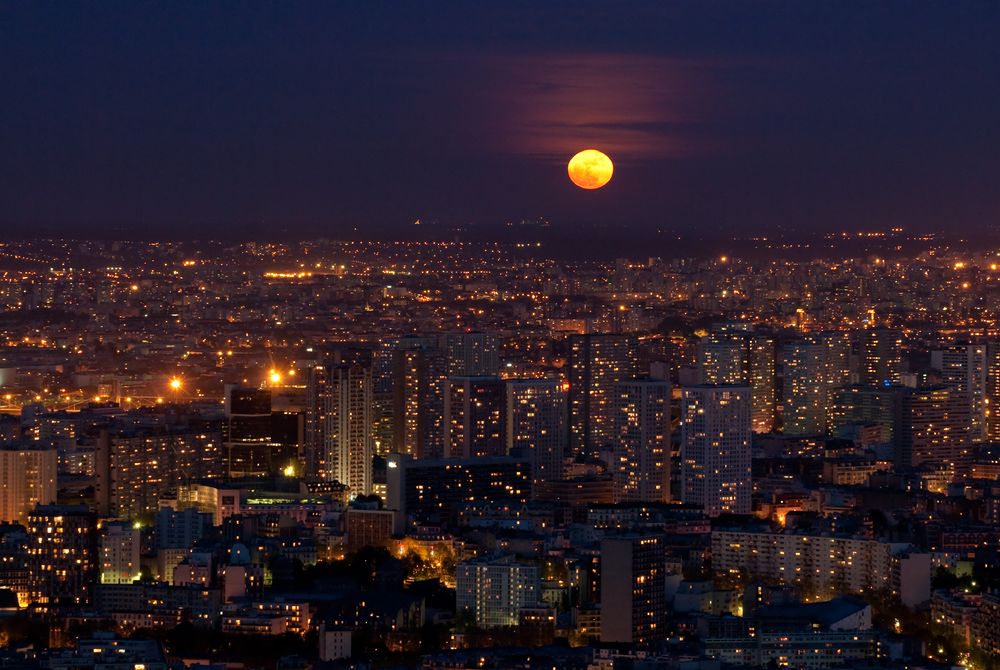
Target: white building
<point>120,549</point>
<point>495,589</point>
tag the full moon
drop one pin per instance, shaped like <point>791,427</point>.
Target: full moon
<point>590,169</point>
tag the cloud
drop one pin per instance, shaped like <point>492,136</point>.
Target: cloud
<point>636,107</point>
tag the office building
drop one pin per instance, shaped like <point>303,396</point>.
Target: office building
<point>246,431</point>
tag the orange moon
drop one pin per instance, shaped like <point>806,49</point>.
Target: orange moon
<point>590,169</point>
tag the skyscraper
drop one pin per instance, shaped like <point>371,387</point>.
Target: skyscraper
<point>804,397</point>
<point>246,431</point>
<point>344,402</point>
<point>715,448</point>
<point>536,417</point>
<point>761,377</point>
<point>596,362</point>
<point>633,593</point>
<point>641,468</point>
<point>419,376</point>
<point>881,354</point>
<point>963,367</point>
<point>813,369</point>
<point>473,417</point>
<point>992,400</point>
<point>740,357</point>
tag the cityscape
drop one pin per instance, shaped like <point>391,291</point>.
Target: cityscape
<point>513,337</point>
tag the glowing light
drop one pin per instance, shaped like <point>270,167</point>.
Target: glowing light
<point>289,470</point>
<point>176,383</point>
<point>275,377</point>
<point>590,169</point>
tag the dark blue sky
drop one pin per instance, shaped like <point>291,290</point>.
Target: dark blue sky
<point>308,119</point>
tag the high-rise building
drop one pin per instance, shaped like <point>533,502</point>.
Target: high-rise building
<point>536,417</point>
<point>419,377</point>
<point>62,554</point>
<point>881,357</point>
<point>992,400</point>
<point>136,467</point>
<point>722,359</point>
<point>340,447</point>
<point>633,589</point>
<point>472,354</point>
<point>27,479</point>
<point>715,448</point>
<point>741,357</point>
<point>813,369</point>
<point>761,378</point>
<point>289,403</point>
<point>865,406</point>
<point>641,467</point>
<point>495,589</point>
<point>246,431</point>
<point>963,367</point>
<point>596,362</point>
<point>473,417</point>
<point>932,426</point>
<point>120,545</point>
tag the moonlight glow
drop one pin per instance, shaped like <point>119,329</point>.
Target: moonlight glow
<point>590,169</point>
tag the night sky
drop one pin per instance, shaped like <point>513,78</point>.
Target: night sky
<point>354,119</point>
